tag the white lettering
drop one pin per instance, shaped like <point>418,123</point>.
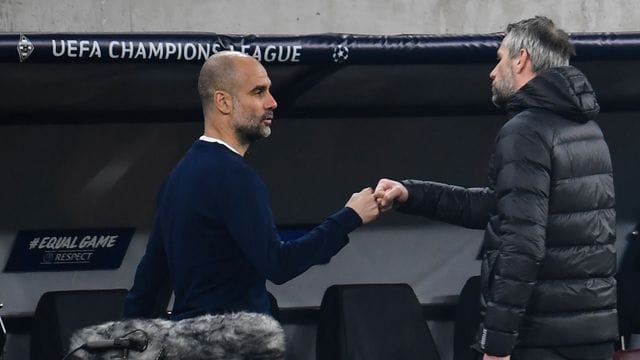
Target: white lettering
<point>34,243</point>
<point>171,49</point>
<point>203,54</point>
<point>257,54</point>
<point>43,242</point>
<point>94,242</point>
<point>84,47</point>
<point>155,51</point>
<point>95,50</point>
<point>66,242</point>
<point>112,45</point>
<point>88,241</point>
<point>53,48</point>
<point>72,46</point>
<point>51,244</point>
<point>193,49</point>
<point>127,48</point>
<point>282,58</point>
<point>141,51</point>
<point>167,50</point>
<point>61,242</point>
<point>296,53</point>
<point>73,256</point>
<point>269,53</point>
<point>104,241</point>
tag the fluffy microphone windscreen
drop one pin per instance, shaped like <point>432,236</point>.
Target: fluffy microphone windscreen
<point>236,336</point>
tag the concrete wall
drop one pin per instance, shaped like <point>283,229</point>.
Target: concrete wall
<point>311,16</point>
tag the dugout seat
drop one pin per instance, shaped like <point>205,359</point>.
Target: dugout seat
<point>60,313</point>
<point>467,320</point>
<point>373,322</point>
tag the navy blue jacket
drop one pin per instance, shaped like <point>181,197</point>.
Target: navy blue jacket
<point>214,236</point>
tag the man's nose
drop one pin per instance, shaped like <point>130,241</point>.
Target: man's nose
<point>271,102</point>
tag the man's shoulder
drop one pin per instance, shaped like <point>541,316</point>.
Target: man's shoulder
<point>530,122</point>
<point>212,155</point>
<point>552,128</point>
<point>233,169</point>
<point>215,163</point>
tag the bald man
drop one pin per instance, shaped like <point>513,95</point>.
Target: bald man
<point>214,234</point>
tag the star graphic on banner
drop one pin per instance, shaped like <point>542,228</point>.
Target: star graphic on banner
<point>340,53</point>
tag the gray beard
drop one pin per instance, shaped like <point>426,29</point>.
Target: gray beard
<point>498,101</point>
<point>501,98</point>
<point>249,135</point>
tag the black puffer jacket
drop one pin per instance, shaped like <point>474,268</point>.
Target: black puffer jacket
<point>547,273</point>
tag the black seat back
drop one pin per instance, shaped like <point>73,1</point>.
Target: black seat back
<point>60,313</point>
<point>371,322</point>
<point>467,320</point>
<point>628,303</point>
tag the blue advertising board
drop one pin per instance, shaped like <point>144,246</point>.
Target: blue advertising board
<point>69,249</point>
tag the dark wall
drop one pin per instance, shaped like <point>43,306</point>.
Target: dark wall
<point>108,174</point>
<point>98,175</point>
<point>313,165</point>
<point>622,132</point>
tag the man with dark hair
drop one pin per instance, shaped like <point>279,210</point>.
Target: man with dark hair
<point>547,286</point>
<point>214,234</point>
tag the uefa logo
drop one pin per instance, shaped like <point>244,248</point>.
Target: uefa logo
<point>25,48</point>
<point>48,257</point>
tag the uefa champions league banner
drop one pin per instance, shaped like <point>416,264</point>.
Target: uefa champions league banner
<point>288,50</point>
<point>69,249</point>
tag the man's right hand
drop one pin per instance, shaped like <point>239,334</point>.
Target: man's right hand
<point>389,192</point>
<point>364,204</point>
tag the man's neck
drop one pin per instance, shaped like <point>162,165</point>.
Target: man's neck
<point>228,137</point>
<point>524,78</point>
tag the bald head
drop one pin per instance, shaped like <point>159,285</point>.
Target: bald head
<point>219,73</point>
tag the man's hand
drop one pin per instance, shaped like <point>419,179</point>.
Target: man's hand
<point>389,192</point>
<point>365,205</point>
<point>489,357</point>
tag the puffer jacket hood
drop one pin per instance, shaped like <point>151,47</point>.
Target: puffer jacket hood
<point>563,90</point>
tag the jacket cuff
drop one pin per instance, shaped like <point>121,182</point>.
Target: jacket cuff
<point>495,343</point>
<point>416,198</point>
<point>347,219</point>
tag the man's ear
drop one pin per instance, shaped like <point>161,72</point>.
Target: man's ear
<point>522,61</point>
<point>222,101</point>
